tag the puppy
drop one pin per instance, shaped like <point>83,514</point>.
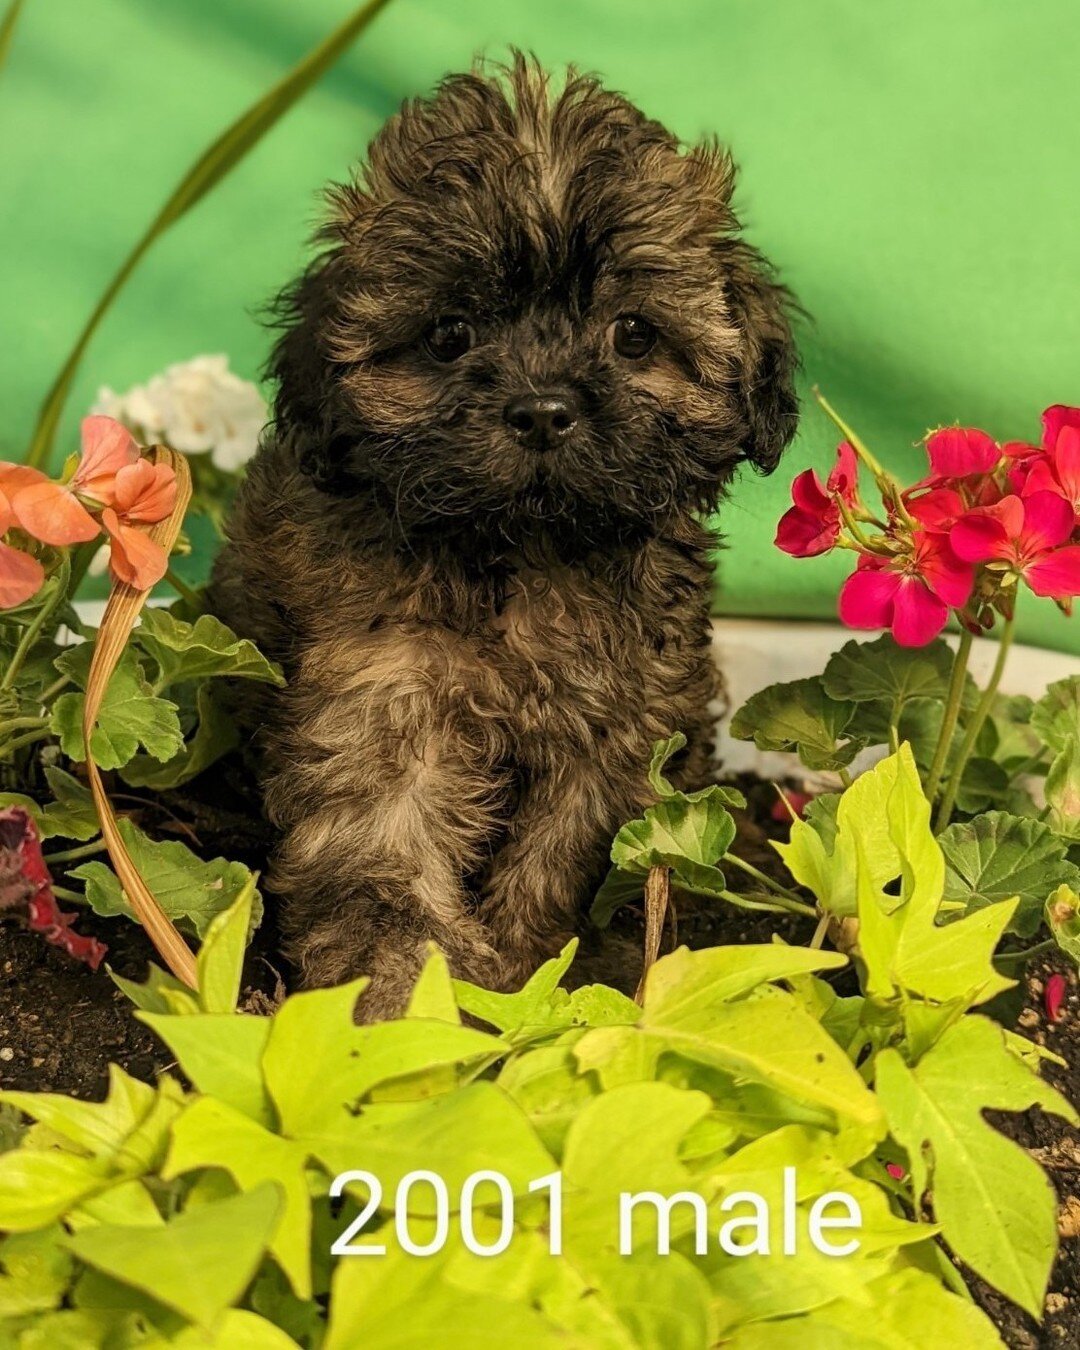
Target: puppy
<point>520,372</point>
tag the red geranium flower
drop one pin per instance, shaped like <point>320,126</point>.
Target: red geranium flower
<point>959,452</point>
<point>1059,471</point>
<point>812,525</point>
<point>1027,533</point>
<point>910,594</point>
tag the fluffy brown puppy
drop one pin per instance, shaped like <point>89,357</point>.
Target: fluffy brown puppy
<point>524,366</point>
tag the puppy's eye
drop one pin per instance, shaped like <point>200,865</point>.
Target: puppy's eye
<point>449,337</point>
<point>633,336</point>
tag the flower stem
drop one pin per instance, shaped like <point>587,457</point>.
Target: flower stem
<point>763,877</point>
<point>22,724</point>
<point>185,591</point>
<point>857,444</point>
<point>28,739</point>
<point>33,630</point>
<point>981,713</point>
<point>75,854</point>
<point>952,712</point>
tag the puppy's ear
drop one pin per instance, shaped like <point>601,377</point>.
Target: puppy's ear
<point>761,307</point>
<point>303,361</point>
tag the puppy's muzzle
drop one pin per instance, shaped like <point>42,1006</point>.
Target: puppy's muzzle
<point>542,420</point>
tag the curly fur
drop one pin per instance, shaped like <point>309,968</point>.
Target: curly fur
<point>482,643</point>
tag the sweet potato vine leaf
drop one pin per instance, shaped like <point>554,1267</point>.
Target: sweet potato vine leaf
<point>190,891</point>
<point>997,856</point>
<point>800,716</point>
<point>995,1206</point>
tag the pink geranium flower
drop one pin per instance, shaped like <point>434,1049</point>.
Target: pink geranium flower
<point>959,452</point>
<point>143,494</point>
<point>812,525</point>
<point>911,593</point>
<point>1030,535</point>
<point>21,575</point>
<point>52,512</point>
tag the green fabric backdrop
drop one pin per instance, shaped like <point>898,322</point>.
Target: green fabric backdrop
<point>913,166</point>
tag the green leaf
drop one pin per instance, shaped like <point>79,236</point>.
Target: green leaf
<point>799,716</point>
<point>1055,718</point>
<point>194,651</point>
<point>210,168</point>
<point>662,751</point>
<point>1063,917</point>
<point>997,856</point>
<point>190,891</point>
<point>867,672</point>
<point>215,735</point>
<point>1063,791</point>
<point>70,816</point>
<point>689,836</point>
<point>221,957</point>
<point>198,1263</point>
<point>131,715</point>
<point>995,1206</point>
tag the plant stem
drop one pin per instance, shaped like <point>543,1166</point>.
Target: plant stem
<point>743,903</point>
<point>844,777</point>
<point>971,733</point>
<point>76,854</point>
<point>857,444</point>
<point>62,893</point>
<point>1018,958</point>
<point>55,688</point>
<point>33,629</point>
<point>952,712</point>
<point>758,875</point>
<point>21,724</point>
<point>185,591</point>
<point>28,739</point>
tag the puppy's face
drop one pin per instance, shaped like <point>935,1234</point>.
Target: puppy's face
<point>535,315</point>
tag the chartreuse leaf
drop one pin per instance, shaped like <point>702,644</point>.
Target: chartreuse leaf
<point>211,1134</point>
<point>883,672</point>
<point>221,956</point>
<point>799,716</point>
<point>532,1005</point>
<point>36,1271</point>
<point>310,1090</point>
<point>161,993</point>
<point>38,1186</point>
<point>131,715</point>
<point>196,651</point>
<point>549,1087</point>
<point>99,1128</point>
<point>199,1262</point>
<point>220,1053</point>
<point>433,993</point>
<point>695,982</point>
<point>995,1206</point>
<point>997,856</point>
<point>215,735</point>
<point>190,891</point>
<point>1063,917</point>
<point>891,1312</point>
<point>236,1329</point>
<point>902,944</point>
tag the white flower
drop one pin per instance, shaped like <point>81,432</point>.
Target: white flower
<point>195,406</point>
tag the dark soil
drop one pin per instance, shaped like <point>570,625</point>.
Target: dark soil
<point>61,1025</point>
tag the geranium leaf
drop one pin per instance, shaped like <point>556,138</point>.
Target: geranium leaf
<point>799,716</point>
<point>662,751</point>
<point>689,836</point>
<point>131,715</point>
<point>215,735</point>
<point>995,1206</point>
<point>190,891</point>
<point>223,1241</point>
<point>882,671</point>
<point>997,856</point>
<point>190,651</point>
<point>1055,718</point>
<point>1063,916</point>
<point>1063,791</point>
<point>70,816</point>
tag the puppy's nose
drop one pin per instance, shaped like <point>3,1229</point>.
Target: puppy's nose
<point>542,420</point>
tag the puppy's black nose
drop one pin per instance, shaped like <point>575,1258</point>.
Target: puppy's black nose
<point>542,420</point>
